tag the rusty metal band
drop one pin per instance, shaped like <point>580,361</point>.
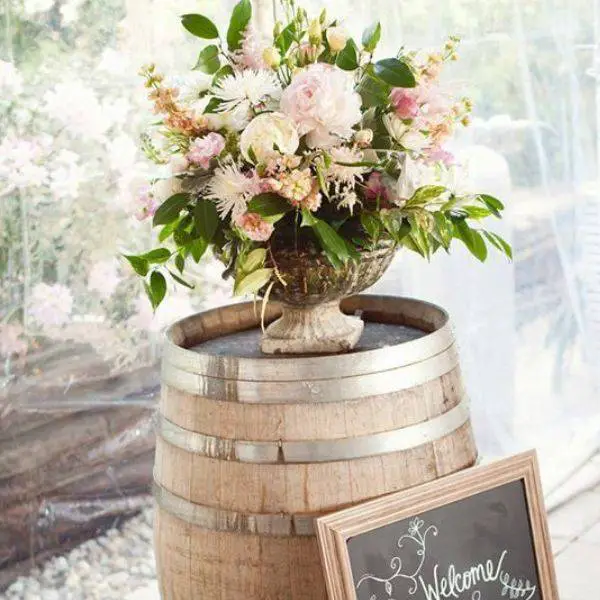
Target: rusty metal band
<point>313,391</point>
<point>216,519</point>
<point>312,451</point>
<point>231,319</point>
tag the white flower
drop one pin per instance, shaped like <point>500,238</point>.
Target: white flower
<point>69,11</point>
<point>178,164</point>
<point>344,173</point>
<point>323,103</point>
<point>11,80</point>
<point>410,139</point>
<point>250,88</point>
<point>104,277</point>
<point>336,38</point>
<point>269,135</point>
<point>415,174</point>
<point>364,137</point>
<point>190,85</point>
<point>165,188</point>
<point>50,305</point>
<point>231,189</point>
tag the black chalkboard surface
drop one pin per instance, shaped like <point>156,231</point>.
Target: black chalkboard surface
<point>478,535</point>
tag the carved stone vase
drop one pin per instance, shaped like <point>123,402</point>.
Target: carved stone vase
<point>312,321</point>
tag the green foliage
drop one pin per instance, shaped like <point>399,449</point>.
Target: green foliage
<point>269,206</point>
<point>200,26</point>
<point>170,209</point>
<point>371,37</point>
<point>337,249</point>
<point>206,219</point>
<point>347,59</point>
<point>156,289</point>
<point>208,60</point>
<point>253,283</point>
<point>395,73</point>
<point>139,264</point>
<point>240,18</point>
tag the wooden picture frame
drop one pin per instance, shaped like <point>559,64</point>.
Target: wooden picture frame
<point>338,530</point>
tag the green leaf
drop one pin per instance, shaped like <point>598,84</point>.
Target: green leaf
<point>471,239</point>
<point>425,194</point>
<point>395,73</point>
<point>180,263</point>
<point>224,71</point>
<point>167,231</point>
<point>254,260</point>
<point>373,92</point>
<point>331,241</point>
<point>371,224</point>
<point>347,59</point>
<point>322,181</point>
<point>169,210</point>
<point>240,18</point>
<point>443,230</point>
<point>160,255</point>
<point>200,26</point>
<point>397,227</point>
<point>158,288</point>
<point>213,105</point>
<point>476,212</point>
<point>208,60</point>
<point>269,205</point>
<point>180,280</point>
<point>371,37</point>
<point>198,248</point>
<point>494,205</point>
<point>139,264</point>
<point>286,38</point>
<point>251,284</point>
<point>206,219</point>
<point>499,243</point>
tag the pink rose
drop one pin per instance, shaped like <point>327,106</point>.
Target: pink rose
<point>204,149</point>
<point>254,226</point>
<point>321,100</point>
<point>405,103</point>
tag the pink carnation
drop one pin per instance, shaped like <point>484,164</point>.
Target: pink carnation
<point>255,227</point>
<point>405,103</point>
<point>147,205</point>
<point>322,102</point>
<point>204,149</point>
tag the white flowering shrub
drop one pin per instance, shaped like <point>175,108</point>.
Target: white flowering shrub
<point>71,111</point>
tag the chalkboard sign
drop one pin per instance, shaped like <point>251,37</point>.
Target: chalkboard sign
<point>477,535</point>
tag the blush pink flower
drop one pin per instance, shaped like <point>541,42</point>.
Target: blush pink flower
<point>250,55</point>
<point>441,155</point>
<point>405,103</point>
<point>376,188</point>
<point>322,102</point>
<point>147,204</point>
<point>203,150</point>
<point>254,226</point>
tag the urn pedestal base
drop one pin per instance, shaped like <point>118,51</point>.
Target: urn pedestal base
<point>316,329</point>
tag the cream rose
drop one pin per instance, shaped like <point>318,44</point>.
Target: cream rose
<point>269,134</point>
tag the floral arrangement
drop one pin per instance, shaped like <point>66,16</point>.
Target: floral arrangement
<point>304,140</point>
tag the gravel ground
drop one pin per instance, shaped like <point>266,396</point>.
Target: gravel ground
<point>106,568</point>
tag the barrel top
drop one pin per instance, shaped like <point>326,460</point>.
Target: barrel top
<point>224,342</point>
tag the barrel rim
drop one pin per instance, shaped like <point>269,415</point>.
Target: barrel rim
<point>314,368</point>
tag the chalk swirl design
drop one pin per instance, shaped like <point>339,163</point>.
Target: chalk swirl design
<point>415,534</point>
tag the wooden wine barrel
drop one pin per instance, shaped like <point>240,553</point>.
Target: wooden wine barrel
<point>251,448</point>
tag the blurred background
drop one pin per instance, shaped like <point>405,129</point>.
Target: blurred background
<point>79,345</point>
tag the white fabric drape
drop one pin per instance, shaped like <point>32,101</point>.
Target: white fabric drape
<point>529,331</point>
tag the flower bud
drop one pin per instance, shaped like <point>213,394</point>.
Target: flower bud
<point>363,137</point>
<point>272,57</point>
<point>315,32</point>
<point>323,16</point>
<point>277,29</point>
<point>336,38</point>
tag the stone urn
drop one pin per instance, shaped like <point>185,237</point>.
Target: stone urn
<point>312,321</point>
